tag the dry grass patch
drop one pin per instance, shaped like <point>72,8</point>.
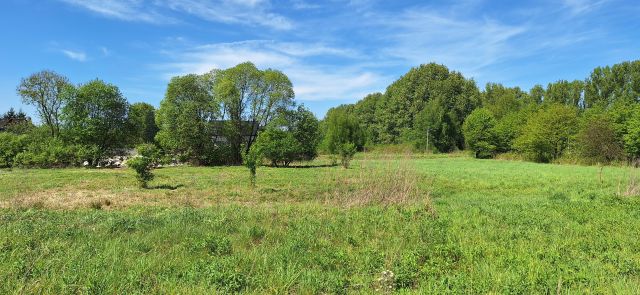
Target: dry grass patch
<point>386,182</point>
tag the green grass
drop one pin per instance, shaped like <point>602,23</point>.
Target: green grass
<point>500,227</point>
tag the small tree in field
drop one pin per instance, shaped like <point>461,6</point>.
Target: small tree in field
<point>143,163</point>
<point>251,160</point>
<point>347,151</point>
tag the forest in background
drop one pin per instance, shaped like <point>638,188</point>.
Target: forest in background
<point>217,118</point>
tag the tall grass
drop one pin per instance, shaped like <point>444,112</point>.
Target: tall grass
<point>382,182</point>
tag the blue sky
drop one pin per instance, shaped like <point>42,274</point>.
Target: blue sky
<point>334,51</point>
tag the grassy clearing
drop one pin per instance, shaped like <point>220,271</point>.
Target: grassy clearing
<point>439,224</point>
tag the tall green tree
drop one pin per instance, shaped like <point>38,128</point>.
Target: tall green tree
<point>367,111</point>
<point>187,118</point>
<point>342,127</point>
<point>142,123</point>
<point>96,115</point>
<point>250,98</point>
<point>479,133</point>
<point>619,83</point>
<point>500,100</point>
<point>439,127</point>
<point>46,90</point>
<point>407,97</point>
<point>565,92</point>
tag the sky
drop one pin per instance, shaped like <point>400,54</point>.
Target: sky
<point>334,51</point>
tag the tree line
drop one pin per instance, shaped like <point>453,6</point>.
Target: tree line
<point>247,115</point>
<point>596,120</point>
<point>209,119</point>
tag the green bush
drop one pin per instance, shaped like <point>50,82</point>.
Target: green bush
<point>278,146</point>
<point>347,151</point>
<point>547,133</point>
<point>10,146</point>
<point>143,163</point>
<point>49,152</point>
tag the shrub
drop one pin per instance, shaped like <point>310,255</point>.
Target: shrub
<point>10,146</point>
<point>292,136</point>
<point>251,160</point>
<point>278,146</point>
<point>347,151</point>
<point>142,166</point>
<point>49,152</point>
<point>479,133</point>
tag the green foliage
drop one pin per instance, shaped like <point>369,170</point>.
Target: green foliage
<point>342,127</point>
<point>144,162</point>
<point>47,91</point>
<point>488,239</point>
<point>596,140</point>
<point>250,98</point>
<point>346,152</point>
<point>501,101</point>
<point>619,84</point>
<point>547,133</point>
<point>510,127</point>
<point>479,133</point>
<point>438,127</point>
<point>187,117</point>
<point>252,160</point>
<point>11,145</point>
<point>142,166</point>
<point>632,136</point>
<point>96,115</point>
<point>430,86</point>
<point>142,121</point>
<point>291,136</point>
<point>565,92</point>
<point>278,146</point>
<point>15,122</point>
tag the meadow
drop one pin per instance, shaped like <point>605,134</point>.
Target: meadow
<point>390,223</point>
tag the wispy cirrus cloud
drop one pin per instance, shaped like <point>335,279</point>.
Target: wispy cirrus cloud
<point>128,10</point>
<point>423,35</point>
<point>581,6</point>
<point>75,55</point>
<point>245,12</point>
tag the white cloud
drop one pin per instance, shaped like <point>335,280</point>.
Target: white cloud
<point>422,36</point>
<point>581,6</point>
<point>75,55</point>
<point>129,10</point>
<point>247,12</point>
<point>301,4</point>
<point>312,82</point>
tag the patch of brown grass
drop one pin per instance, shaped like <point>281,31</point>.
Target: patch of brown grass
<point>385,182</point>
<point>631,186</point>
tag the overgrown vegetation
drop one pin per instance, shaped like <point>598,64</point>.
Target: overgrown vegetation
<point>408,224</point>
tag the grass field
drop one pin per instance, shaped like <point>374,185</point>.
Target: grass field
<point>439,224</point>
